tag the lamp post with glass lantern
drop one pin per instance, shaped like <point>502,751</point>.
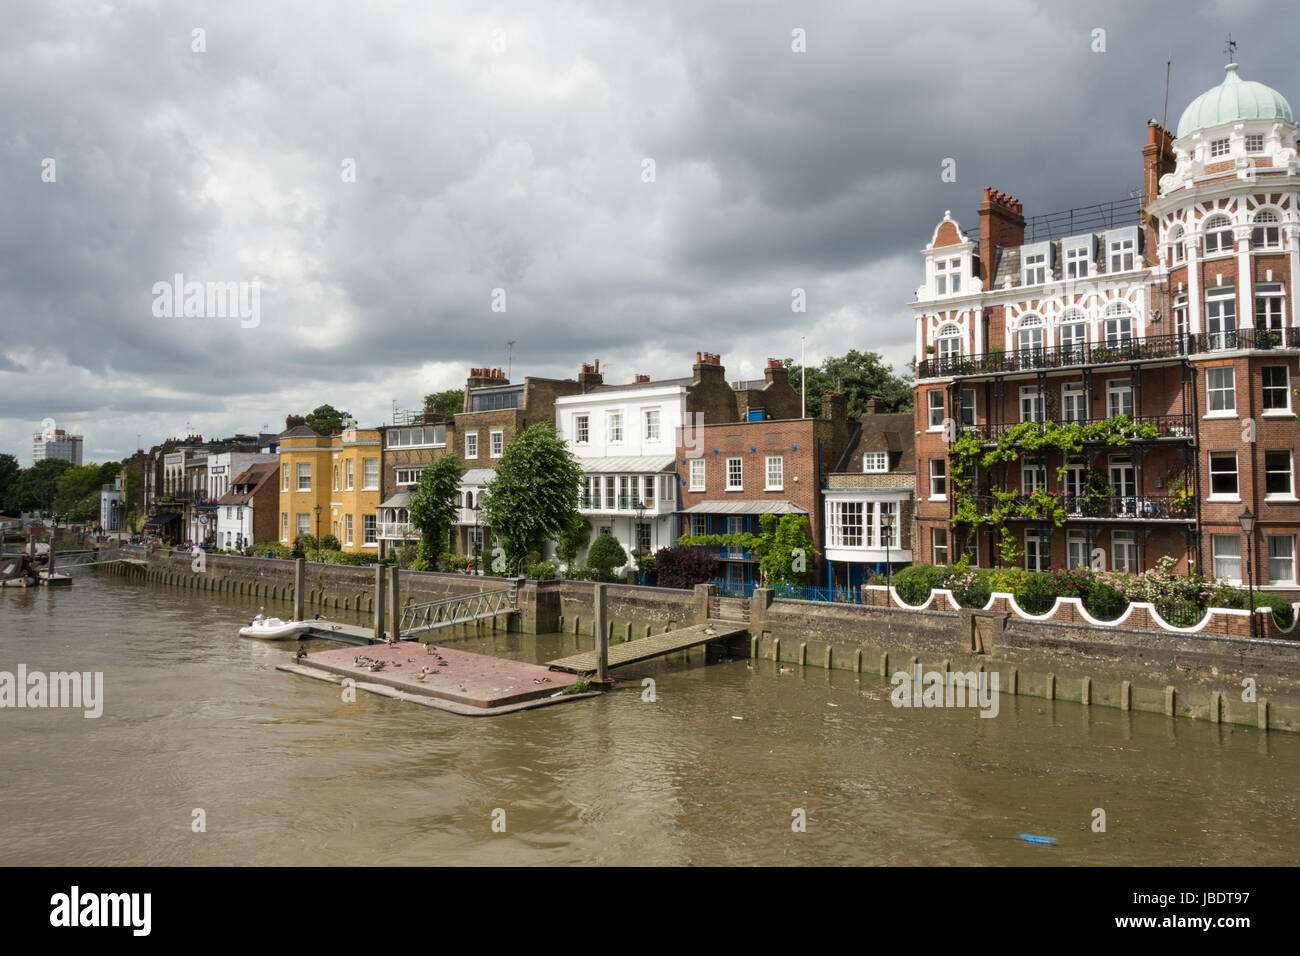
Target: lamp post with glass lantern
<point>318,534</point>
<point>636,538</point>
<point>1247,521</point>
<point>477,548</point>
<point>887,529</point>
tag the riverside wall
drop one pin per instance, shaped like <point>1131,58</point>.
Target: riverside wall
<point>1215,672</point>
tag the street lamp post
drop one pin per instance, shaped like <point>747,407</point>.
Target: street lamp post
<point>476,510</point>
<point>887,532</point>
<point>636,538</point>
<point>1247,521</point>
<point>318,534</point>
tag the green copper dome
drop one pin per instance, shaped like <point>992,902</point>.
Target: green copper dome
<point>1233,99</point>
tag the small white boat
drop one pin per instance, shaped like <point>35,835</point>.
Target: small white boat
<point>274,629</point>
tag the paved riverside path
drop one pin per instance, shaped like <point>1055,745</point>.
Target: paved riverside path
<point>655,645</point>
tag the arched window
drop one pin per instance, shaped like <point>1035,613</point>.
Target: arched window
<point>1267,233</point>
<point>948,343</point>
<point>1218,235</point>
<point>469,499</point>
<point>1029,333</point>
<point>1177,252</point>
<point>1118,323</point>
<point>1073,327</point>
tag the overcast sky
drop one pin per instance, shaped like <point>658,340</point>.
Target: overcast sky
<point>504,146</point>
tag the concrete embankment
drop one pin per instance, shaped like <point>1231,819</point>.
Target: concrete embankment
<point>1222,677</point>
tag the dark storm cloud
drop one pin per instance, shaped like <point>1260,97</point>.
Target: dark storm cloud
<point>504,148</point>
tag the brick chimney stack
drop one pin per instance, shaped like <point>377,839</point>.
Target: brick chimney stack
<point>482,377</point>
<point>589,377</point>
<point>1002,223</point>
<point>776,373</point>
<point>875,405</point>
<point>835,409</point>
<point>1157,160</point>
<point>640,379</point>
<point>708,367</point>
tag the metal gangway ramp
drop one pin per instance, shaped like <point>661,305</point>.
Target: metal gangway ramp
<point>656,645</point>
<point>448,612</point>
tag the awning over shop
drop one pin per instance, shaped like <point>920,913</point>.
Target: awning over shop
<point>734,507</point>
<point>628,464</point>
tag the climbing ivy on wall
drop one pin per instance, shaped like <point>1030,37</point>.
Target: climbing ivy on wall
<point>1067,438</point>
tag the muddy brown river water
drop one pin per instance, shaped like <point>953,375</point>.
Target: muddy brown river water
<point>711,772</point>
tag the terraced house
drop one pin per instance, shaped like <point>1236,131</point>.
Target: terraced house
<point>1175,309</point>
<point>330,485</point>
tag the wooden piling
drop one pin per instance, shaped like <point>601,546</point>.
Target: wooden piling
<point>379,602</point>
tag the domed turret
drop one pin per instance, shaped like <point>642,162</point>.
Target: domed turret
<point>1233,99</point>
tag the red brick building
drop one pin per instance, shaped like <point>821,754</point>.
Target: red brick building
<point>1176,309</point>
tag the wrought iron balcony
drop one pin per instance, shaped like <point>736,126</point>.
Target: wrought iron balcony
<point>1101,353</point>
<point>1168,426</point>
<point>1102,507</point>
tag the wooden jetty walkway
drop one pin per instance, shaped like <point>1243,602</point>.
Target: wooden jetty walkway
<point>656,645</point>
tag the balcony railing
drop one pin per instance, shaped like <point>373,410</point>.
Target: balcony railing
<point>626,503</point>
<point>1118,507</point>
<point>1101,353</point>
<point>397,530</point>
<point>1168,426</point>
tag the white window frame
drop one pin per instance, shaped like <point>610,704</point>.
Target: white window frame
<point>1116,390</point>
<point>412,476</point>
<point>304,476</point>
<point>1033,268</point>
<point>1226,548</point>
<point>347,530</point>
<point>1223,456</point>
<point>1266,230</point>
<point>1124,551</point>
<point>650,420</point>
<point>284,485</point>
<point>349,475</point>
<point>697,474</point>
<point>302,523</point>
<point>1220,398</point>
<point>614,427</point>
<point>496,442</point>
<point>1032,478</point>
<point>1269,471</point>
<point>779,472</point>
<point>1033,328</point>
<point>1218,230</point>
<point>932,408</point>
<point>1254,142</point>
<point>1037,550</point>
<point>1219,147</point>
<point>875,462</point>
<point>937,534</point>
<point>969,409</point>
<point>1221,318</point>
<point>1117,324</point>
<point>581,429</point>
<point>1270,307</point>
<point>284,524</point>
<point>471,444</point>
<point>1030,394</point>
<point>851,534</point>
<point>1077,261</point>
<point>1074,402</point>
<point>938,482</point>
<point>366,483</point>
<point>1266,388</point>
<point>736,475</point>
<point>369,530</point>
<point>945,269</point>
<point>1284,555</point>
<point>1121,255</point>
<point>948,343</point>
<point>1076,550</point>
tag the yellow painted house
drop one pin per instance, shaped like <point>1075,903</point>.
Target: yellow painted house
<point>330,485</point>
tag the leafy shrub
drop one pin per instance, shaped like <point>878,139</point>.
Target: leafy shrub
<point>330,543</point>
<point>1005,580</point>
<point>304,542</point>
<point>914,584</point>
<point>1036,595</point>
<point>1283,612</point>
<point>1104,601</point>
<point>604,556</point>
<point>541,571</point>
<point>449,561</point>
<point>684,567</point>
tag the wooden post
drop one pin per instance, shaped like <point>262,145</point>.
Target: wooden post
<point>602,636</point>
<point>395,599</point>
<point>299,589</point>
<point>379,602</point>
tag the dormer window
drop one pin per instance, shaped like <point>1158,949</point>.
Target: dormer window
<point>1254,142</point>
<point>1121,254</point>
<point>947,276</point>
<point>1266,233</point>
<point>1076,262</point>
<point>1035,264</point>
<point>1218,147</point>
<point>875,461</point>
<point>1218,235</point>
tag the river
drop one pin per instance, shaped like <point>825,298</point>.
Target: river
<point>713,771</point>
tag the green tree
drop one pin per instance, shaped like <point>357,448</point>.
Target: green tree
<point>573,537</point>
<point>784,547</point>
<point>8,477</point>
<point>35,487</point>
<point>859,375</point>
<point>605,556</point>
<point>326,420</point>
<point>433,506</point>
<point>446,403</point>
<point>535,493</point>
<point>77,493</point>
